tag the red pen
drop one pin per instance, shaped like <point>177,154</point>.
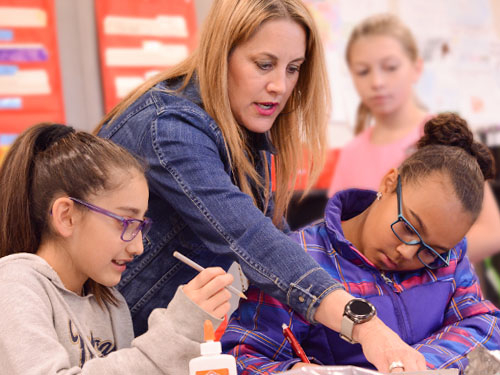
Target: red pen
<point>297,349</point>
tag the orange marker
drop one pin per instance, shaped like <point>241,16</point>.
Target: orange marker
<point>297,349</point>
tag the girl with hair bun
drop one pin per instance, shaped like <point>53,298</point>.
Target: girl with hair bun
<point>384,62</point>
<point>403,250</point>
<point>72,218</point>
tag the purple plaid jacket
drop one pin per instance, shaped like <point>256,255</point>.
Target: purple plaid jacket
<point>440,313</point>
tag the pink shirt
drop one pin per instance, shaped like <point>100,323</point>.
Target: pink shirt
<point>362,164</point>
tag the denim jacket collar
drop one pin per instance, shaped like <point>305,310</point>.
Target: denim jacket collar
<point>191,92</point>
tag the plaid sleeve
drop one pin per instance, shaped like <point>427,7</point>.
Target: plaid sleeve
<point>469,322</point>
<point>254,335</point>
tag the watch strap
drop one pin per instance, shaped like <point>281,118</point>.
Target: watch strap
<point>351,318</point>
<point>346,328</point>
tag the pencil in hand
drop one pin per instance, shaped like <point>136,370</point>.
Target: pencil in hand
<point>199,268</point>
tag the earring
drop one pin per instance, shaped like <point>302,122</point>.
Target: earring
<point>379,195</point>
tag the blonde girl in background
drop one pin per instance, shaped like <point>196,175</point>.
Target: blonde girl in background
<point>72,219</point>
<point>256,86</point>
<point>384,62</point>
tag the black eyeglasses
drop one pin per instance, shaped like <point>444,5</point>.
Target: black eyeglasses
<point>407,234</point>
<point>131,227</point>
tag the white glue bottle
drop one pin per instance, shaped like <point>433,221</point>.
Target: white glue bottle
<point>212,362</point>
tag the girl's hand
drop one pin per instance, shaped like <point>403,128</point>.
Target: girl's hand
<point>208,291</point>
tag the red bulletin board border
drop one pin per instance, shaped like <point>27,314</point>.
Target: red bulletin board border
<point>148,9</point>
<point>39,107</point>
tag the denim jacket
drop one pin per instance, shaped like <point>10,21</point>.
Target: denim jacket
<point>199,211</point>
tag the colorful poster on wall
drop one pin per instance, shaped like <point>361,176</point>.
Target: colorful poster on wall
<point>30,85</point>
<point>138,39</point>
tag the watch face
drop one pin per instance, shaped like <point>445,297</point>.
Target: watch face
<point>360,307</point>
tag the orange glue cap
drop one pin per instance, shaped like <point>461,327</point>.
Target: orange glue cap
<point>210,346</point>
<point>208,330</point>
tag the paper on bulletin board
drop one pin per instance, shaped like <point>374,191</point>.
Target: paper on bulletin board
<point>138,39</point>
<point>461,53</point>
<point>30,85</point>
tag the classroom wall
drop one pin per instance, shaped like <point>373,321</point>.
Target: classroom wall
<point>459,41</point>
<point>441,21</point>
<point>80,70</point>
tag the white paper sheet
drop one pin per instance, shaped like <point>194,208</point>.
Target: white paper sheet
<point>150,54</point>
<point>162,26</point>
<point>22,17</point>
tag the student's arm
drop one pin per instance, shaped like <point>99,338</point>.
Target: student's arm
<point>29,343</point>
<point>468,322</point>
<point>174,336</point>
<point>254,335</point>
<point>483,237</point>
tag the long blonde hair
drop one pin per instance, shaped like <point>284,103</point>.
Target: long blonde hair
<point>302,123</point>
<point>380,25</point>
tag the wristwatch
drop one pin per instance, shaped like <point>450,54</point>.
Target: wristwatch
<point>356,311</point>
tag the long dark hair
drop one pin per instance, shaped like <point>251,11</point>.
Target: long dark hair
<point>47,161</point>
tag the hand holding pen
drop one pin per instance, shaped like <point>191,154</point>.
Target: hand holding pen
<point>199,268</point>
<point>207,290</point>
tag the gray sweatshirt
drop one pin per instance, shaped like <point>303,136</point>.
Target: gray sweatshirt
<point>47,329</point>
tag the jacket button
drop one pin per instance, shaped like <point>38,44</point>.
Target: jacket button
<point>301,299</point>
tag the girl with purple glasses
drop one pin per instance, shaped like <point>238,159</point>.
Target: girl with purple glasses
<point>73,210</point>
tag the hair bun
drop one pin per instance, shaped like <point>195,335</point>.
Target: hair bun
<point>449,129</point>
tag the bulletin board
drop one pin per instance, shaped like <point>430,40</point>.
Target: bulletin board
<point>138,39</point>
<point>459,41</point>
<point>30,85</point>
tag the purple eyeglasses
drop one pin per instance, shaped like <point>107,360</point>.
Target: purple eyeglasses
<point>131,227</point>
